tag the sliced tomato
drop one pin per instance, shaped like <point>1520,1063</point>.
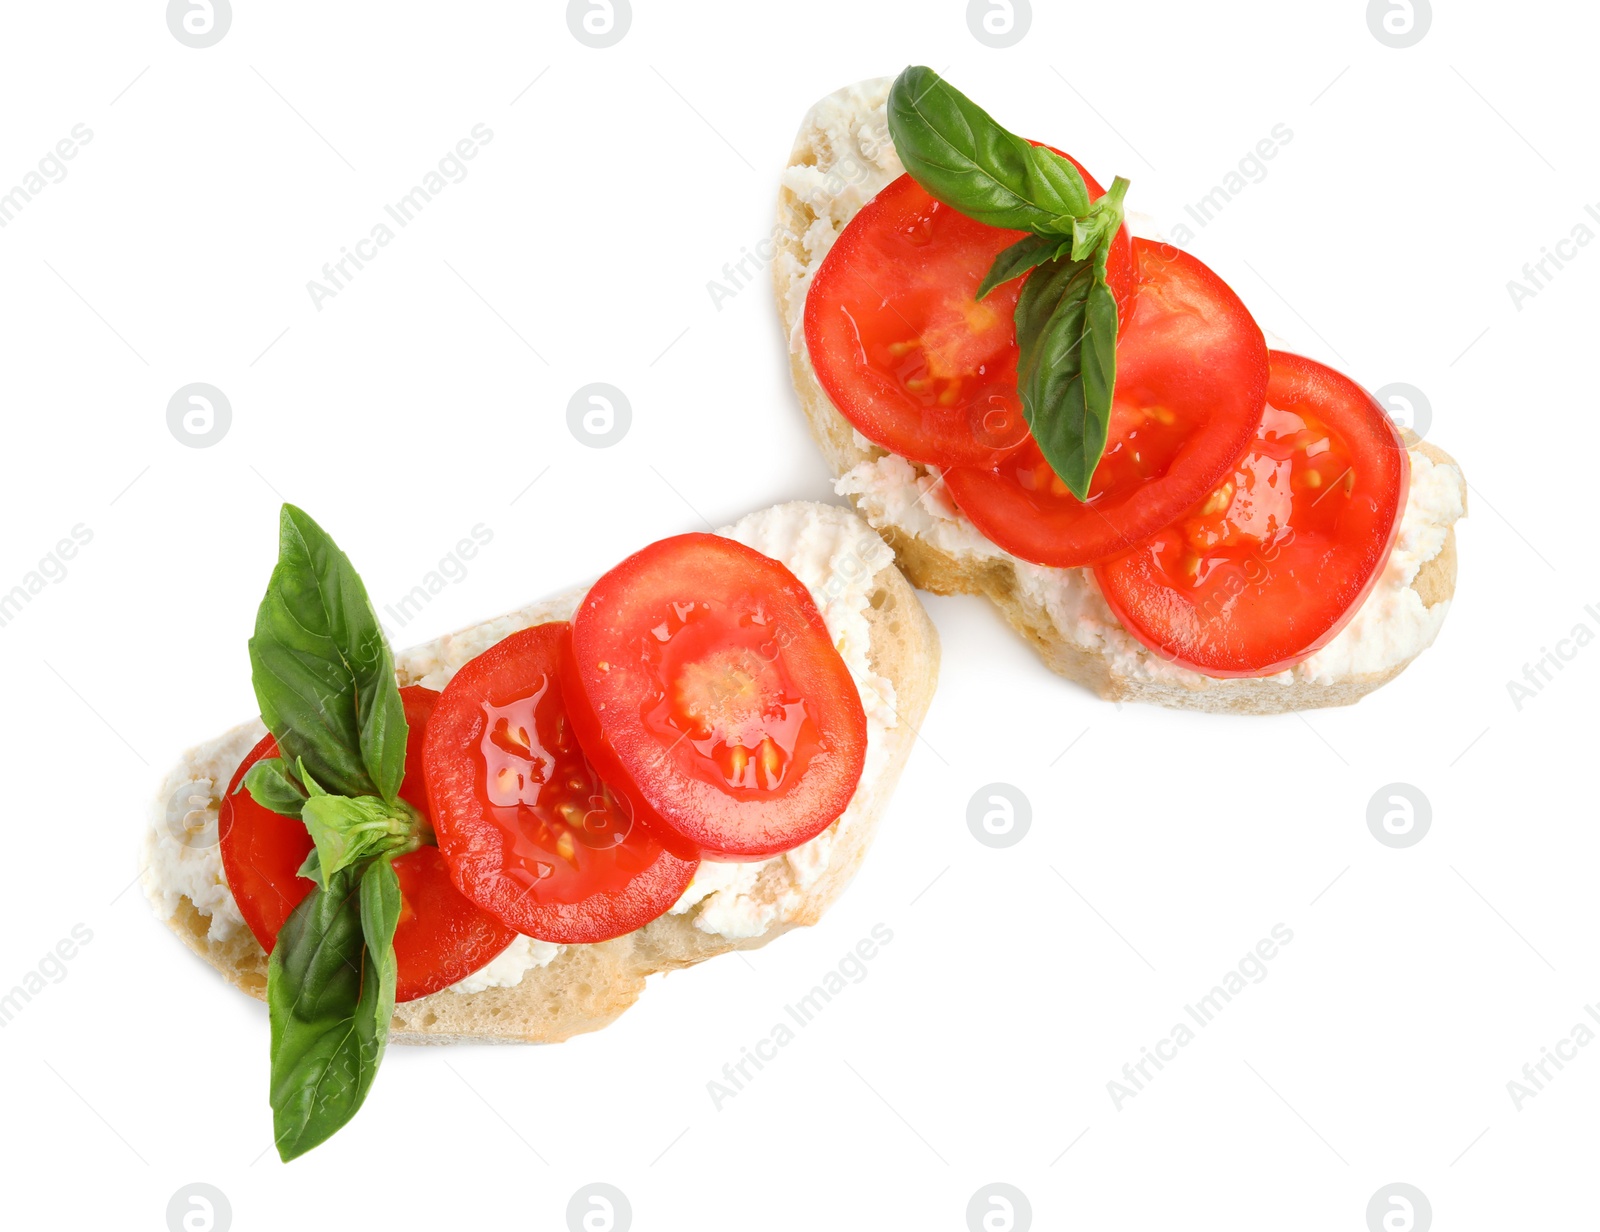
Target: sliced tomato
<point>441,937</point>
<point>1274,562</point>
<point>1191,377</point>
<point>704,684</point>
<point>262,852</point>
<point>902,345</point>
<point>531,833</point>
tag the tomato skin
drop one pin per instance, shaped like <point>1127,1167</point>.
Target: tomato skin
<point>441,937</point>
<point>1285,552</point>
<point>262,852</point>
<point>706,688</point>
<point>529,831</point>
<point>1191,380</point>
<point>894,302</point>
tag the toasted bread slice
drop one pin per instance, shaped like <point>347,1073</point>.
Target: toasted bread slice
<point>842,157</point>
<point>584,987</point>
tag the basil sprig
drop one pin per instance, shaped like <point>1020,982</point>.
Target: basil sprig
<point>1067,316</point>
<point>324,679</point>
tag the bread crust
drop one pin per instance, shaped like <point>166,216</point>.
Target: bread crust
<point>932,569</point>
<point>587,986</point>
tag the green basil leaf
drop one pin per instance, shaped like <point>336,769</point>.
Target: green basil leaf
<point>311,868</point>
<point>313,788</point>
<point>1066,372</point>
<point>272,786</point>
<point>330,996</point>
<point>956,151</point>
<point>349,829</point>
<point>1017,260</point>
<point>323,673</point>
<point>380,916</point>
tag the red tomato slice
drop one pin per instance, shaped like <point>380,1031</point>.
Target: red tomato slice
<point>900,342</point>
<point>531,833</point>
<point>1191,377</point>
<point>1274,562</point>
<point>441,937</point>
<point>706,687</point>
<point>262,852</point>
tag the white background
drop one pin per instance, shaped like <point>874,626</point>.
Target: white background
<point>429,394</point>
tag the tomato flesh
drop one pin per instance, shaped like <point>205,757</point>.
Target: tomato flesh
<point>902,345</point>
<point>1270,566</point>
<point>530,831</point>
<point>1191,378</point>
<point>441,937</point>
<point>704,684</point>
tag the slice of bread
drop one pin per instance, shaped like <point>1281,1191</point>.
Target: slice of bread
<point>585,986</point>
<point>842,157</point>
